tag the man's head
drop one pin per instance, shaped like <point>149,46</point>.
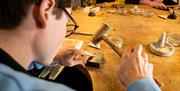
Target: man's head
<point>40,22</point>
<point>12,12</point>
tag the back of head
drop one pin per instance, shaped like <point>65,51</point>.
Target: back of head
<point>12,12</point>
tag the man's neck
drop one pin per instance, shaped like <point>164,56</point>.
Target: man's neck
<point>17,47</point>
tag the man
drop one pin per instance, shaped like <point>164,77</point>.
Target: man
<point>159,4</point>
<point>34,30</point>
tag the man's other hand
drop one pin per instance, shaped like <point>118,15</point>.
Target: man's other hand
<point>134,65</point>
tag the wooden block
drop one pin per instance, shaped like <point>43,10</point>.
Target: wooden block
<point>95,61</point>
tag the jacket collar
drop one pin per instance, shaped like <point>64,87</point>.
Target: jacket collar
<point>6,59</point>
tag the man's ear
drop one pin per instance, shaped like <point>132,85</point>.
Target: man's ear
<point>42,11</point>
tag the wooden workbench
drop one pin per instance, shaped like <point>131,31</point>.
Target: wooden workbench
<point>133,29</point>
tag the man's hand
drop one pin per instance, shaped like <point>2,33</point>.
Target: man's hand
<point>154,3</point>
<point>159,5</point>
<point>67,55</point>
<point>134,65</point>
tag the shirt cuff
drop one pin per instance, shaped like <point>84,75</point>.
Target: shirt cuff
<point>145,84</point>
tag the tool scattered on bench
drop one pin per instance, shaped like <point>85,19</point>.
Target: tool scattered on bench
<point>161,47</point>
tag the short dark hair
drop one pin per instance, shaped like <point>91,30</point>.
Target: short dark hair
<point>61,4</point>
<point>12,12</point>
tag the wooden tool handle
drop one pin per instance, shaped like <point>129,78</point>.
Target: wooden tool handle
<point>113,46</point>
<point>160,84</point>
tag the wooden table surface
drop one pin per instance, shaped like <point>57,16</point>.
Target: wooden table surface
<point>133,29</point>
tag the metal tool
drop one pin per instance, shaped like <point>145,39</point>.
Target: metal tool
<point>161,47</point>
<point>101,34</point>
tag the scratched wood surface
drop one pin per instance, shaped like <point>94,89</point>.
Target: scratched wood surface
<point>133,29</point>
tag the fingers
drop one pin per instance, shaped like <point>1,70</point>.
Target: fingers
<point>159,5</point>
<point>158,1</point>
<point>132,53</point>
<point>162,6</point>
<point>74,52</point>
<point>122,78</point>
<point>67,48</point>
<point>76,62</point>
<point>145,57</point>
<point>79,52</point>
<point>149,70</point>
<point>150,67</point>
<point>138,50</point>
<point>134,65</point>
<point>127,52</point>
<point>138,54</point>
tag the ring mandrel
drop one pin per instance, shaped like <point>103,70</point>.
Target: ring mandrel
<point>161,47</point>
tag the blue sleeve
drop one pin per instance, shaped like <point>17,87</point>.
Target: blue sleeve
<point>145,84</point>
<point>11,80</point>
